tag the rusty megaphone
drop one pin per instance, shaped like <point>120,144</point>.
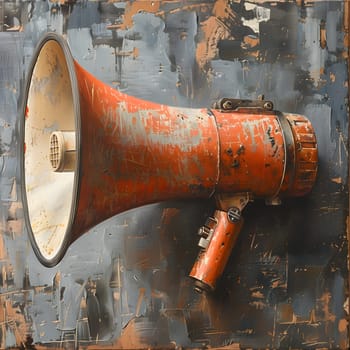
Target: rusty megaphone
<point>90,152</point>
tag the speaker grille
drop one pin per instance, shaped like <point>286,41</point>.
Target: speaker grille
<point>55,152</point>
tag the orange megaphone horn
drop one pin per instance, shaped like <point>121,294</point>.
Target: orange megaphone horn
<point>90,152</point>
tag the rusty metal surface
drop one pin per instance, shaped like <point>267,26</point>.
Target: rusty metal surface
<point>125,284</point>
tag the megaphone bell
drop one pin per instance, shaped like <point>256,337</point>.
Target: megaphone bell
<point>90,152</point>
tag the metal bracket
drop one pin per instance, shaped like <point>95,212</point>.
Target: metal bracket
<point>226,201</point>
<point>206,232</point>
<point>231,104</point>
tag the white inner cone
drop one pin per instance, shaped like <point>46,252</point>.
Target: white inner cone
<point>49,189</point>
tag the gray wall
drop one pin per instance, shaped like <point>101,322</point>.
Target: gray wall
<point>125,282</point>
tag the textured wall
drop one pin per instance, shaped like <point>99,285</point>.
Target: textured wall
<point>124,284</point>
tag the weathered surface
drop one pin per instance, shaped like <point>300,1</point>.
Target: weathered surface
<point>125,284</point>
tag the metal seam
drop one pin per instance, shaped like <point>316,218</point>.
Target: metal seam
<point>288,140</point>
<point>211,114</point>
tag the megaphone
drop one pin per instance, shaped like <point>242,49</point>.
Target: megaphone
<point>89,152</point>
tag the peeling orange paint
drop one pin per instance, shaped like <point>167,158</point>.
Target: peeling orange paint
<point>323,36</point>
<point>222,10</point>
<point>332,77</point>
<point>12,320</point>
<point>215,29</point>
<point>325,301</point>
<point>3,252</point>
<point>343,330</point>
<point>134,7</point>
<point>251,41</point>
<point>342,325</point>
<point>212,31</point>
<point>135,52</point>
<point>139,301</point>
<point>61,2</point>
<point>337,180</point>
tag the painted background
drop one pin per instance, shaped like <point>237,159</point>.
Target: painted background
<point>124,284</point>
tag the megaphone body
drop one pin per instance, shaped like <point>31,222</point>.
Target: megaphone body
<point>91,152</point>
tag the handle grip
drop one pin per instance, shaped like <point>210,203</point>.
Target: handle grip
<point>219,236</point>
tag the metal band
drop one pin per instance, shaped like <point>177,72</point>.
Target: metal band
<point>289,150</point>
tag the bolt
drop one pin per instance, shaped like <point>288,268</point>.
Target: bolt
<point>227,105</point>
<point>234,214</point>
<point>240,149</point>
<point>229,152</point>
<point>268,105</point>
<point>235,163</point>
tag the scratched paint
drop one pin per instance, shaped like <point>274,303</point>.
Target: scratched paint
<point>286,281</point>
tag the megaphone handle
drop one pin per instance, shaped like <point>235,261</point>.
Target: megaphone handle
<point>218,237</point>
